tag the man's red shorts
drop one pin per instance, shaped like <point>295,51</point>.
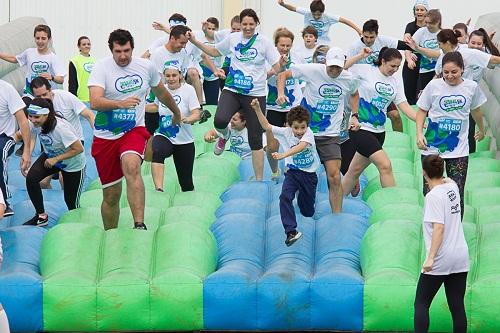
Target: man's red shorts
<point>108,153</point>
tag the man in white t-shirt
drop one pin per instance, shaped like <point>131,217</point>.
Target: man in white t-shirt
<point>65,103</point>
<point>11,112</point>
<point>118,86</point>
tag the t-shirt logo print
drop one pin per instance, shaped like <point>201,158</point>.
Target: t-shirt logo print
<point>452,103</point>
<point>128,83</point>
<point>39,67</point>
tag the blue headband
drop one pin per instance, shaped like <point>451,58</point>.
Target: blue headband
<point>173,23</point>
<point>36,110</point>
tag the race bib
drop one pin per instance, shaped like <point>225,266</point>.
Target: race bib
<point>450,125</point>
<point>304,159</point>
<point>116,121</point>
<point>166,127</point>
<point>327,106</point>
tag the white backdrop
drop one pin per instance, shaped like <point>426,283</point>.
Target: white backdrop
<point>96,18</point>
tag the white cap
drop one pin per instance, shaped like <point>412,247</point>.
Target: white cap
<point>423,3</point>
<point>335,57</point>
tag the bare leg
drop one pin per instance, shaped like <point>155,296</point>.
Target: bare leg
<point>110,208</point>
<point>397,123</point>
<point>272,147</point>
<point>383,164</point>
<point>148,153</point>
<point>258,163</point>
<point>131,166</point>
<point>157,171</point>
<point>358,164</point>
<point>335,193</point>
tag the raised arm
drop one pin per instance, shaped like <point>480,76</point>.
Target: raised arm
<point>365,52</point>
<point>287,6</point>
<point>8,57</point>
<point>429,53</point>
<point>211,51</point>
<point>262,119</point>
<point>352,25</point>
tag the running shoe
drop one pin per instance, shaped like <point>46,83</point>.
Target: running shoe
<point>356,189</point>
<point>292,237</point>
<point>8,212</point>
<point>140,226</point>
<point>220,146</point>
<point>38,221</point>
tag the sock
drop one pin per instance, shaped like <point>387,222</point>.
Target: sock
<point>4,322</point>
<point>222,133</point>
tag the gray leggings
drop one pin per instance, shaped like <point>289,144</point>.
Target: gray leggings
<point>230,103</point>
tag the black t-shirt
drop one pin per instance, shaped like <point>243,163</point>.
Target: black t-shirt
<point>411,28</point>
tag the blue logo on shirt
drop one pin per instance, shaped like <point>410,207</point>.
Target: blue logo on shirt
<point>40,67</point>
<point>384,89</point>
<point>128,83</point>
<point>177,99</point>
<point>452,103</point>
<point>247,54</point>
<point>330,91</point>
<point>88,67</point>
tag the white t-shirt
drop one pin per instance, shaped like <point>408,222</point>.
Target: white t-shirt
<point>376,92</point>
<point>36,64</point>
<point>239,142</point>
<point>193,52</point>
<point>424,38</point>
<point>324,96</point>
<point>448,111</point>
<point>10,103</point>
<point>185,97</point>
<point>208,75</point>
<point>58,141</point>
<point>322,25</point>
<point>308,159</point>
<point>293,89</point>
<point>475,62</point>
<point>161,58</point>
<point>442,205</point>
<point>378,44</point>
<point>247,74</point>
<point>304,54</point>
<point>70,107</point>
<point>135,79</point>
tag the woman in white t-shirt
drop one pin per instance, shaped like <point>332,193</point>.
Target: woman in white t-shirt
<point>447,102</point>
<point>320,20</point>
<point>380,86</point>
<point>176,140</point>
<point>245,81</point>
<point>447,253</point>
<point>63,152</point>
<point>39,61</point>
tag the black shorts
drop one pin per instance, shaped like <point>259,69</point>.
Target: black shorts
<point>367,143</point>
<point>152,121</point>
<point>276,118</point>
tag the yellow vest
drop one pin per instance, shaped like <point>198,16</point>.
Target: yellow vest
<point>83,66</point>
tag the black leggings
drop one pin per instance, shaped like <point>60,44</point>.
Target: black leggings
<point>73,184</point>
<point>183,159</point>
<point>211,90</point>
<point>456,169</point>
<point>472,132</point>
<point>428,286</point>
<point>423,80</point>
<point>410,79</point>
<point>347,150</point>
<point>230,103</point>
<point>276,118</point>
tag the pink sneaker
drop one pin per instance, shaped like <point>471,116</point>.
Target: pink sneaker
<point>355,190</point>
<point>220,146</point>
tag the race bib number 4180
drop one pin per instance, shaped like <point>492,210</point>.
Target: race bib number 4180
<point>450,125</point>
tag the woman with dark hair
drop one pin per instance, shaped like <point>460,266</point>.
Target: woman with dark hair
<point>245,81</point>
<point>410,75</point>
<point>447,253</point>
<point>63,152</point>
<point>380,86</point>
<point>80,67</point>
<point>447,103</point>
<point>480,40</point>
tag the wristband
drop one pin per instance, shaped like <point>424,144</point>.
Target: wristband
<point>355,115</point>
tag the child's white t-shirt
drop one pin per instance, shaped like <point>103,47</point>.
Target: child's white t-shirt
<point>322,25</point>
<point>308,159</point>
<point>376,92</point>
<point>448,112</point>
